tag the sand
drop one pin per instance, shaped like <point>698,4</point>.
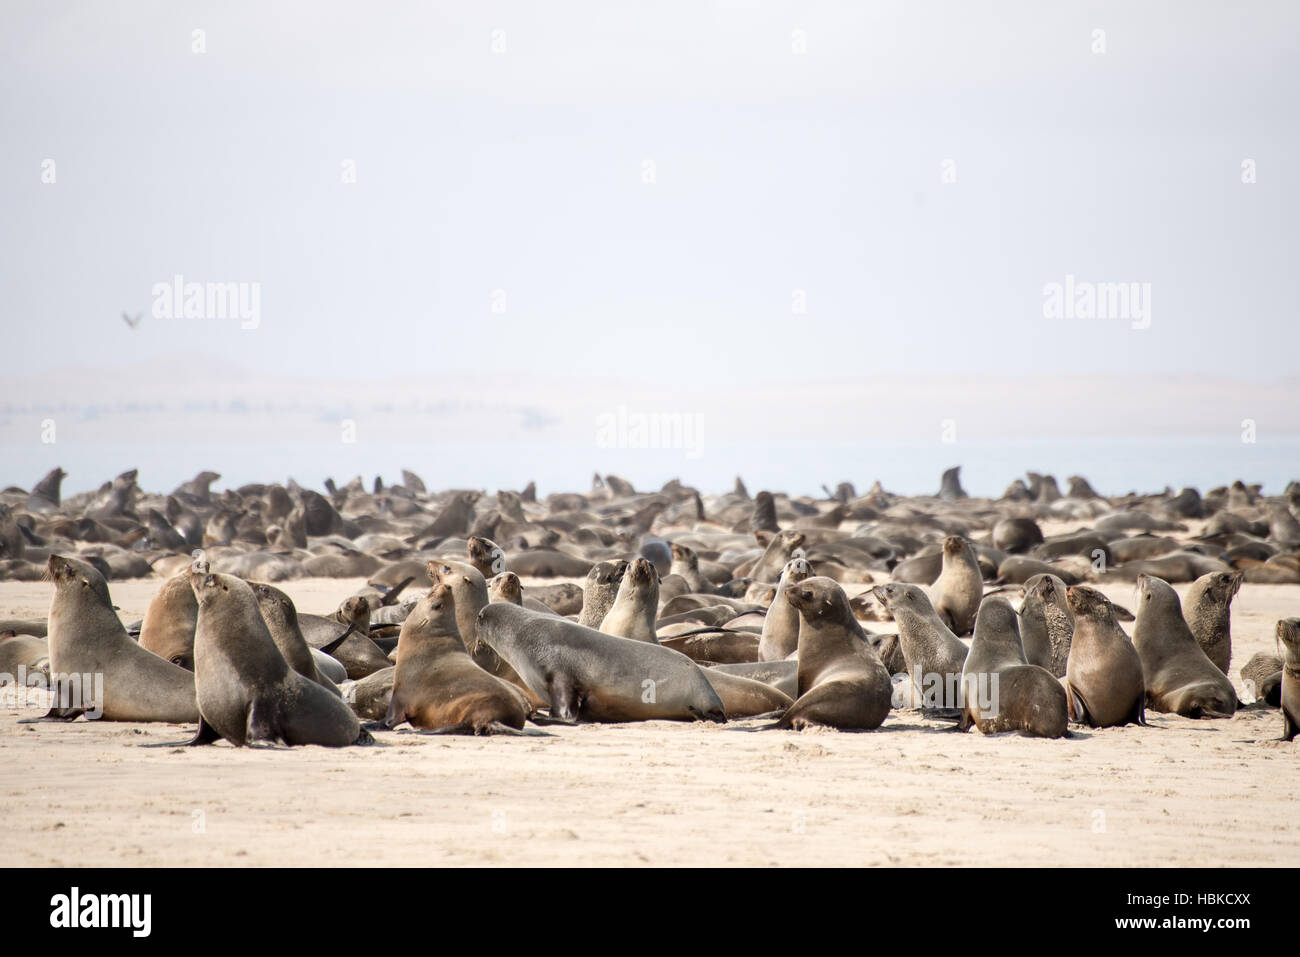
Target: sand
<point>1181,793</point>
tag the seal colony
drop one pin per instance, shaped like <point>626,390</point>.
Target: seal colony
<point>828,612</point>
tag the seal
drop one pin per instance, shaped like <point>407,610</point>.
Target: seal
<point>781,675</point>
<point>1288,632</point>
<point>87,638</point>
<point>1001,690</point>
<point>633,612</point>
<point>1045,624</point>
<point>842,682</point>
<point>744,697</point>
<point>780,549</point>
<point>1208,609</point>
<point>1178,675</point>
<point>247,693</point>
<point>956,593</point>
<point>169,622</point>
<point>1103,677</point>
<point>28,652</point>
<point>934,655</point>
<point>1262,676</point>
<point>437,686</point>
<point>589,676</point>
<point>371,696</point>
<point>780,636</point>
<point>281,619</point>
<point>600,590</point>
<point>486,555</point>
<point>686,564</point>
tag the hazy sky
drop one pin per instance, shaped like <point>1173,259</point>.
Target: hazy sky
<point>774,171</point>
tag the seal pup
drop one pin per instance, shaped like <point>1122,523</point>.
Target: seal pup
<point>842,682</point>
<point>780,635</point>
<point>1288,632</point>
<point>1262,676</point>
<point>934,655</point>
<point>247,693</point>
<point>956,593</point>
<point>1178,675</point>
<point>1208,609</point>
<point>1045,624</point>
<point>87,638</point>
<point>600,590</point>
<point>1001,690</point>
<point>437,686</point>
<point>23,651</point>
<point>589,676</point>
<point>281,619</point>
<point>1103,677</point>
<point>633,613</point>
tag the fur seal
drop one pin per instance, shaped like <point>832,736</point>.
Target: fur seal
<point>23,651</point>
<point>437,686</point>
<point>781,675</point>
<point>586,675</point>
<point>633,613</point>
<point>1208,608</point>
<point>1288,632</point>
<point>780,637</point>
<point>780,549</point>
<point>934,655</point>
<point>842,682</point>
<point>956,593</point>
<point>87,638</point>
<point>1176,672</point>
<point>1103,677</point>
<point>371,696</point>
<point>600,590</point>
<point>1262,676</point>
<point>281,619</point>
<point>1001,691</point>
<point>1045,624</point>
<point>744,697</point>
<point>247,693</point>
<point>486,556</point>
<point>169,622</point>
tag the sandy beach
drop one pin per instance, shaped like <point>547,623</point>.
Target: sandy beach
<point>1180,793</point>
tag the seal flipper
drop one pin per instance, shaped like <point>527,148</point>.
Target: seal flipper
<point>206,734</point>
<point>56,714</point>
<point>262,725</point>
<point>330,648</point>
<point>1289,728</point>
<point>390,596</point>
<point>566,701</point>
<point>1078,710</point>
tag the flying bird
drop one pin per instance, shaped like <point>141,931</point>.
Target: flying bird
<point>133,323</point>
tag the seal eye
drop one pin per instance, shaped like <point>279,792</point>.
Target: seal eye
<point>177,660</point>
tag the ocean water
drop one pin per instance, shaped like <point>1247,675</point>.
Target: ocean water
<point>1113,466</point>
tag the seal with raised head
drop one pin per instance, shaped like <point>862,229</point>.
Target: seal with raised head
<point>1208,610</point>
<point>842,682</point>
<point>633,613</point>
<point>956,593</point>
<point>589,676</point>
<point>247,693</point>
<point>281,619</point>
<point>934,655</point>
<point>1001,690</point>
<point>780,636</point>
<point>1288,632</point>
<point>1177,674</point>
<point>87,638</point>
<point>1103,677</point>
<point>437,686</point>
<point>600,590</point>
<point>1045,624</point>
<point>486,555</point>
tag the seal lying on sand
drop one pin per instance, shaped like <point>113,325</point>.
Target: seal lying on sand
<point>589,676</point>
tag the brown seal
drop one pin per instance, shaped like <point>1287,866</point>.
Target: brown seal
<point>486,556</point>
<point>780,548</point>
<point>934,655</point>
<point>600,590</point>
<point>957,591</point>
<point>744,697</point>
<point>780,637</point>
<point>1001,691</point>
<point>1208,609</point>
<point>1176,672</point>
<point>87,638</point>
<point>168,629</point>
<point>281,619</point>
<point>1262,676</point>
<point>437,686</point>
<point>1288,632</point>
<point>633,613</point>
<point>247,693</point>
<point>1045,624</point>
<point>1103,678</point>
<point>842,682</point>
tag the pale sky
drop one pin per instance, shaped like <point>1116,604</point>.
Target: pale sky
<point>504,146</point>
